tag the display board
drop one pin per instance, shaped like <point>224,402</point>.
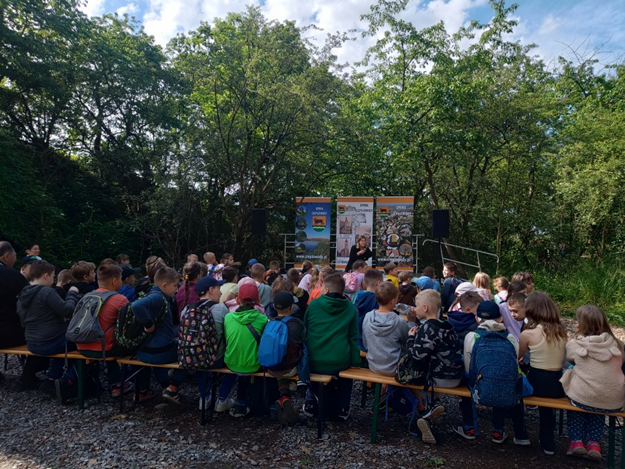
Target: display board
<point>354,218</point>
<point>395,217</point>
<point>312,230</point>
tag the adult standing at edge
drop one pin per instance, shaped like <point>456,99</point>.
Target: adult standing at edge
<point>360,251</point>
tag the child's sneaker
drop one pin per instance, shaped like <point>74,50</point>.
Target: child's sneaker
<point>594,450</point>
<point>499,437</point>
<point>425,426</point>
<point>224,405</point>
<point>521,441</point>
<point>116,389</point>
<point>309,409</point>
<point>239,410</point>
<point>145,396</point>
<point>434,412</point>
<point>343,414</point>
<point>287,415</point>
<point>576,448</point>
<point>466,433</point>
<point>172,396</point>
<point>206,401</point>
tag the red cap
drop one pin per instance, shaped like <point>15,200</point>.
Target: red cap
<point>248,294</point>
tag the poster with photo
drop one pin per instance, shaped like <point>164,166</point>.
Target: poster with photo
<point>354,219</point>
<point>394,232</point>
<point>312,230</point>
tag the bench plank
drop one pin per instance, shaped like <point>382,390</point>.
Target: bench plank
<point>23,350</point>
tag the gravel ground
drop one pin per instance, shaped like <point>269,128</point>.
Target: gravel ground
<point>37,432</point>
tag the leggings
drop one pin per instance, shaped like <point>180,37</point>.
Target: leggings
<point>586,427</point>
<point>546,384</point>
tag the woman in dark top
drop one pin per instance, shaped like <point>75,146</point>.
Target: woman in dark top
<point>360,251</point>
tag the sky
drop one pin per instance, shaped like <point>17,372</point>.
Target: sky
<point>555,26</point>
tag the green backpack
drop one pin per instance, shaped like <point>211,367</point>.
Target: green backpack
<point>129,332</point>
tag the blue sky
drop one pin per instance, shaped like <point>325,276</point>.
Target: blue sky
<point>553,25</point>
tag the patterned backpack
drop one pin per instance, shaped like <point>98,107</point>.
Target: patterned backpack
<point>351,278</point>
<point>198,345</point>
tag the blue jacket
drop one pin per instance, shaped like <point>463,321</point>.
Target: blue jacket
<point>449,291</point>
<point>146,310</point>
<point>365,302</point>
<point>129,292</point>
<point>463,324</point>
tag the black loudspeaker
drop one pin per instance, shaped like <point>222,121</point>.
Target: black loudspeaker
<point>440,223</point>
<point>259,222</point>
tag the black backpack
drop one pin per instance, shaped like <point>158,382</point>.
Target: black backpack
<point>130,333</point>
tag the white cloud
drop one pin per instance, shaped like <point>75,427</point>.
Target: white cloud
<point>129,9</point>
<point>93,7</point>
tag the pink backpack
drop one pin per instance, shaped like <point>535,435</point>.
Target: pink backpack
<point>351,278</point>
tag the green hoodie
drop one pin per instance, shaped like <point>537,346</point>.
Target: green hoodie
<point>241,346</point>
<point>332,334</point>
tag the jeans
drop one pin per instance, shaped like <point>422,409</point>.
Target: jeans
<point>586,427</point>
<point>161,374</point>
<point>54,347</point>
<point>546,384</point>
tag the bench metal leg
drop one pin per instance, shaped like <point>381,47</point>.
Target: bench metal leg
<point>611,442</point>
<point>121,398</point>
<point>321,410</point>
<point>81,377</point>
<point>6,362</point>
<point>376,412</point>
<point>623,446</point>
<point>561,423</point>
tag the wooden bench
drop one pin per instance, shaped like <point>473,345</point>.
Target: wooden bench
<point>315,378</point>
<point>22,350</point>
<point>367,376</point>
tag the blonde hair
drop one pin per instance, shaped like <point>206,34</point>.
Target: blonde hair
<point>592,320</point>
<point>323,273</point>
<point>482,280</point>
<point>430,297</point>
<point>501,282</point>
<point>541,310</point>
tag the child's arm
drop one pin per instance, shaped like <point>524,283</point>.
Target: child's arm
<point>420,346</point>
<point>404,329</point>
<point>65,309</point>
<point>524,339</point>
<point>146,310</point>
<point>469,342</point>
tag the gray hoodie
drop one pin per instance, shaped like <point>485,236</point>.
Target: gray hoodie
<point>43,313</point>
<point>384,335</point>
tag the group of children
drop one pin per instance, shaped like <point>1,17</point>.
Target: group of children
<point>328,319</point>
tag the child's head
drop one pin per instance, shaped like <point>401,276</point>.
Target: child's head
<point>207,288</point>
<point>203,269</point>
<point>540,309</point>
<point>516,287</point>
<point>230,275</point>
<point>83,271</point>
<point>482,280</point>
<point>373,277</point>
<point>470,301</point>
<point>489,310</point>
<point>526,278</point>
<point>257,271</point>
<point>108,261</point>
<point>248,295</point>
<point>274,265</point>
<point>281,284</point>
<point>405,277</point>
<point>516,305</point>
<point>27,264</point>
<point>152,264</point>
<point>227,259</point>
<point>501,283</point>
<point>359,266</point>
<point>428,303</point>
<point>283,302</point>
<point>123,259</point>
<point>33,250</point>
<point>333,283</point>
<point>429,272</point>
<point>42,273</point>
<point>591,320</point>
<point>192,258</point>
<point>210,258</point>
<point>166,279</point>
<point>293,275</point>
<point>390,268</point>
<point>449,269</point>
<point>129,275</point>
<point>191,272</point>
<point>306,266</point>
<point>110,276</point>
<point>64,277</point>
<point>386,295</point>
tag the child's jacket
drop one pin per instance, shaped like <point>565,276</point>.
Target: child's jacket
<point>241,346</point>
<point>147,310</point>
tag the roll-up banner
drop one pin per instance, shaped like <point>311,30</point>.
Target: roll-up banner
<point>354,219</point>
<point>312,230</point>
<point>394,232</point>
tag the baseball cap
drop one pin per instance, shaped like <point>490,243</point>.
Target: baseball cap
<point>252,262</point>
<point>488,310</point>
<point>205,283</point>
<point>425,283</point>
<point>465,287</point>
<point>283,300</point>
<point>127,271</point>
<point>248,294</point>
<point>30,260</point>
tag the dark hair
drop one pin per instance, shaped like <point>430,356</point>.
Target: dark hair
<point>372,276</point>
<point>281,284</point>
<point>109,261</point>
<point>293,275</point>
<point>359,264</point>
<point>274,264</point>
<point>152,265</point>
<point>39,268</point>
<point>5,248</point>
<point>389,267</point>
<point>166,275</point>
<point>334,283</point>
<point>517,299</point>
<point>523,276</point>
<point>429,272</point>
<point>385,293</point>
<point>190,272</point>
<point>451,266</point>
<point>516,287</point>
<point>107,272</point>
<point>404,276</point>
<point>225,257</point>
<point>81,269</point>
<point>121,258</point>
<point>306,266</point>
<point>229,274</point>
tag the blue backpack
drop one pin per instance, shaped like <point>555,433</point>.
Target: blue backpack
<point>494,376</point>
<point>273,343</point>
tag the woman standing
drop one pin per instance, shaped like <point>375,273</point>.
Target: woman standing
<point>360,251</point>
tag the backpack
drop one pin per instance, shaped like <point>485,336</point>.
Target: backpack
<point>401,400</point>
<point>273,343</point>
<point>494,376</point>
<point>84,327</point>
<point>198,345</point>
<point>351,279</point>
<point>129,332</point>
